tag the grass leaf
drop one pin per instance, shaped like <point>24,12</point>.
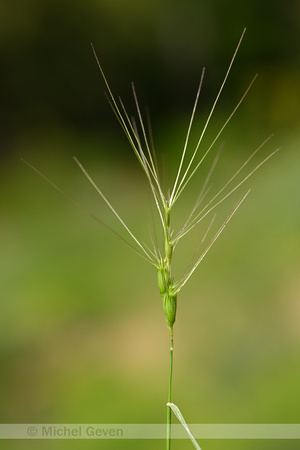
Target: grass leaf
<point>179,416</point>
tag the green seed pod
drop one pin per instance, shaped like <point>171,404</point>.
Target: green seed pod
<point>170,304</point>
<point>163,280</point>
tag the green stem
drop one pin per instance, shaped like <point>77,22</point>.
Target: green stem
<point>169,411</point>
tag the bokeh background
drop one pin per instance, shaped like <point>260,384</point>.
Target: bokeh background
<point>83,336</point>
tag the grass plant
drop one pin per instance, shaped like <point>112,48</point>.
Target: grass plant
<point>161,256</point>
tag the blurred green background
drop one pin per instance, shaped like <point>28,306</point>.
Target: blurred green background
<point>83,336</point>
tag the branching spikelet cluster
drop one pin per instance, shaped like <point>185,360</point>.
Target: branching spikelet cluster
<point>162,258</point>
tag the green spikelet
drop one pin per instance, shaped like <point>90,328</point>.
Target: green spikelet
<point>163,280</point>
<point>170,305</point>
<point>166,290</point>
<point>168,250</point>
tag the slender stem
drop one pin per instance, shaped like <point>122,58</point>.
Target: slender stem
<point>169,411</point>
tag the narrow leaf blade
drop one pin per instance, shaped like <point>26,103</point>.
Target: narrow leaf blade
<point>179,416</point>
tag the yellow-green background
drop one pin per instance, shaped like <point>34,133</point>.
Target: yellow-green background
<point>83,338</point>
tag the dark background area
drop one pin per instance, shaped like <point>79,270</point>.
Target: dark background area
<point>49,78</point>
